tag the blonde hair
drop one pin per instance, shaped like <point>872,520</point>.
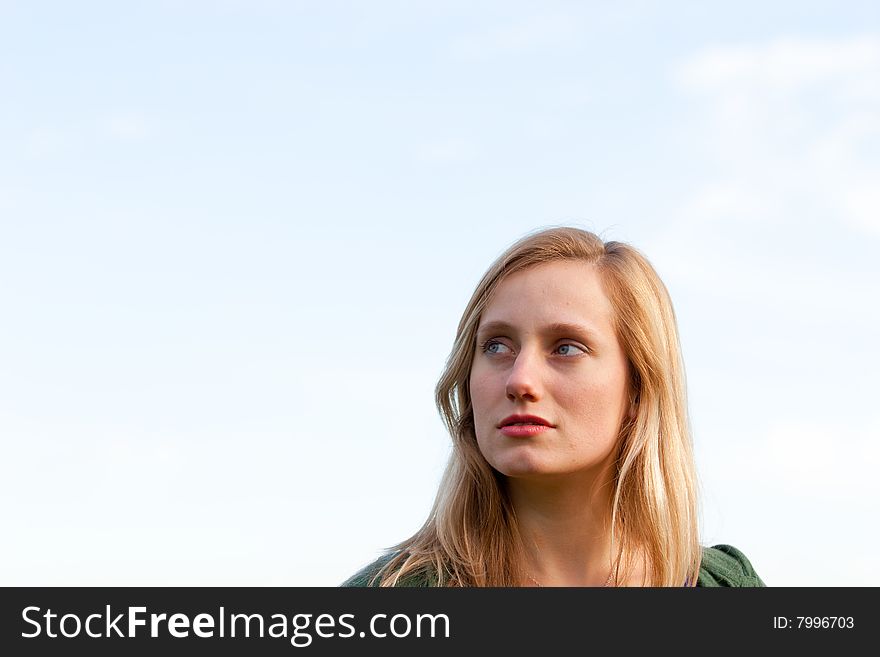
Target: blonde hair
<point>471,537</point>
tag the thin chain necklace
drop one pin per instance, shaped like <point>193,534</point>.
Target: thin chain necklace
<point>607,581</point>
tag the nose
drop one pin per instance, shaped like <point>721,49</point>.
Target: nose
<point>523,383</point>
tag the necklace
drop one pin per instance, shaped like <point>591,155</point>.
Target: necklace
<point>607,581</point>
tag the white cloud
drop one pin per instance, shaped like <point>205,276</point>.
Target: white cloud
<point>447,151</point>
<point>804,460</point>
<point>787,64</point>
<point>7,198</point>
<point>128,127</point>
<point>515,37</point>
<point>795,478</point>
<point>793,125</point>
<point>46,142</point>
<point>822,461</point>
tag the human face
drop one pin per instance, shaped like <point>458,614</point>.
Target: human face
<point>546,347</point>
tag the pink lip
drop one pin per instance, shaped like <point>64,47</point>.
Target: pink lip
<point>524,430</point>
<point>530,419</point>
<point>535,426</point>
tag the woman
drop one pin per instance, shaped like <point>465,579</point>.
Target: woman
<point>572,462</point>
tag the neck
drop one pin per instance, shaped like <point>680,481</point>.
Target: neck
<point>564,522</point>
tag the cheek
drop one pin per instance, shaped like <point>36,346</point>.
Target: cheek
<point>483,392</point>
<point>599,405</point>
<point>481,389</point>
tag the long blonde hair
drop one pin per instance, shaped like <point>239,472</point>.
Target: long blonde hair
<point>471,536</point>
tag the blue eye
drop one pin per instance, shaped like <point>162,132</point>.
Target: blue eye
<point>488,347</point>
<point>571,348</point>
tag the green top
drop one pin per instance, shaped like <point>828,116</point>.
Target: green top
<point>722,565</point>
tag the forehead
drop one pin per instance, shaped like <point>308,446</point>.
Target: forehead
<point>556,292</point>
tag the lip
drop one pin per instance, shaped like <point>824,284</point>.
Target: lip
<point>533,419</point>
<point>524,430</point>
<point>538,425</point>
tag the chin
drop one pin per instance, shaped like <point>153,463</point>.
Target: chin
<point>526,466</point>
<point>517,460</point>
<point>520,467</point>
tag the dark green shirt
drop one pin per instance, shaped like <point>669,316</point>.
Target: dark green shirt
<point>722,565</point>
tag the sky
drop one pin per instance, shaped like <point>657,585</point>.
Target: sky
<point>236,239</point>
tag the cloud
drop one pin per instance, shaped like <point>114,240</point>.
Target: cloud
<point>7,198</point>
<point>812,460</point>
<point>447,151</point>
<point>128,127</point>
<point>787,65</point>
<point>515,37</point>
<point>46,142</point>
<point>794,460</point>
<point>793,125</point>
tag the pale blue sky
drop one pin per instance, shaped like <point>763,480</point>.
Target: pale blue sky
<point>236,239</point>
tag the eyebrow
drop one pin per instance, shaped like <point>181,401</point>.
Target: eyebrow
<point>557,328</point>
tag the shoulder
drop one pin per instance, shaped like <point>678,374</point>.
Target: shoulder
<point>724,565</point>
<point>365,576</point>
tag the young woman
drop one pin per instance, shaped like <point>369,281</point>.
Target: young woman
<point>572,462</point>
